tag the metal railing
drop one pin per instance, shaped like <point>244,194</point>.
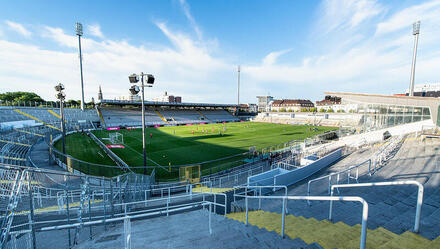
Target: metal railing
<point>127,219</point>
<point>347,172</point>
<point>254,190</point>
<point>315,198</point>
<point>410,182</point>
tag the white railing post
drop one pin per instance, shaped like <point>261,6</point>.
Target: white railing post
<point>283,217</point>
<point>259,201</point>
<point>127,233</point>
<point>210,228</point>
<point>247,208</point>
<point>364,224</point>
<point>329,183</point>
<point>419,208</point>
<point>215,202</point>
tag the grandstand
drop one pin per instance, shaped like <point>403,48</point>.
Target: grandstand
<point>162,113</point>
<point>43,205</point>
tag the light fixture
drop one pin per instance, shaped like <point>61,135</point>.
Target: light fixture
<point>79,29</point>
<point>134,90</point>
<point>134,78</point>
<point>416,28</point>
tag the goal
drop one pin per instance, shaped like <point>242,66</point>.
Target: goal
<point>116,138</point>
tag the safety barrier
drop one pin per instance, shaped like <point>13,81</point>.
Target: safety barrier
<point>410,182</point>
<point>338,174</point>
<point>127,219</point>
<point>315,198</point>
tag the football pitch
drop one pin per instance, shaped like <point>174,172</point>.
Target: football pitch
<point>190,144</point>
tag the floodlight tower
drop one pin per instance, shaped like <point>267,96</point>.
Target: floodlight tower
<point>61,96</point>
<point>79,33</point>
<point>238,85</point>
<point>416,32</point>
<point>134,78</point>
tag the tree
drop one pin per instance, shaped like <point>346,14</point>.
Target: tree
<point>20,96</point>
<point>73,102</point>
<point>322,110</point>
<point>283,110</point>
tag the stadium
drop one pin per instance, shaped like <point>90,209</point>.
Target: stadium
<point>162,173</point>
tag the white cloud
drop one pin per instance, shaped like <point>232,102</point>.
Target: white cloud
<point>350,59</point>
<point>343,15</point>
<point>95,30</point>
<point>427,12</point>
<point>192,21</point>
<point>273,56</point>
<point>184,69</point>
<point>19,28</point>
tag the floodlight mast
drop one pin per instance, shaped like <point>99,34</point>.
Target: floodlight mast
<point>79,33</point>
<point>61,96</point>
<point>134,78</point>
<point>416,32</point>
<point>238,87</point>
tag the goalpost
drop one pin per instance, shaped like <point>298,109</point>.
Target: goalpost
<point>116,138</point>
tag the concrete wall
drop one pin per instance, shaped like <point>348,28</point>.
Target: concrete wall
<point>265,178</point>
<point>288,177</point>
<point>299,174</point>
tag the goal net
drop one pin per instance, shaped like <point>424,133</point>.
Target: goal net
<point>116,138</point>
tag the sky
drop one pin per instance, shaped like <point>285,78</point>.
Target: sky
<point>288,49</point>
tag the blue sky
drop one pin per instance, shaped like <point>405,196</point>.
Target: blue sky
<point>290,49</point>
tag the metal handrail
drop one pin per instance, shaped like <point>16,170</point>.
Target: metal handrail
<point>316,198</point>
<point>127,218</point>
<point>409,182</point>
<point>337,174</point>
<point>260,187</point>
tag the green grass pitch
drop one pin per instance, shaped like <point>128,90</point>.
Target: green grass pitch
<point>180,145</point>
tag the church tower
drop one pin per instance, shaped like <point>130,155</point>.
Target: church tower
<point>100,93</point>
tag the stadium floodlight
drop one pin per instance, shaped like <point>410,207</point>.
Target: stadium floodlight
<point>61,96</point>
<point>149,79</point>
<point>134,90</point>
<point>416,32</point>
<point>133,78</point>
<point>416,28</point>
<point>59,87</point>
<point>79,28</point>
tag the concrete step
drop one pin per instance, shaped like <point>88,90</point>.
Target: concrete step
<point>332,235</point>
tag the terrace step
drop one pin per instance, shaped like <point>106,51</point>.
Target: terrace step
<point>333,235</point>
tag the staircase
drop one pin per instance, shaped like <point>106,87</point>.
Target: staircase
<point>190,230</point>
<point>391,208</point>
<point>333,235</point>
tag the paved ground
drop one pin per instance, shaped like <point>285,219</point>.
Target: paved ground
<point>191,230</point>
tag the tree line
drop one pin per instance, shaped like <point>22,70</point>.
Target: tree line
<point>32,99</point>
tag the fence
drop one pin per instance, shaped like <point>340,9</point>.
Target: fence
<point>44,198</point>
